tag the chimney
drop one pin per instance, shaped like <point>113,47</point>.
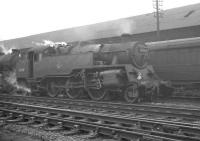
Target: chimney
<point>125,37</point>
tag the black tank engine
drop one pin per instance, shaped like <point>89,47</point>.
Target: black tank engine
<point>97,71</point>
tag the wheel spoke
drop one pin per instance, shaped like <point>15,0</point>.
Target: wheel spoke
<point>74,93</point>
<point>97,94</point>
<point>52,91</point>
<point>131,94</point>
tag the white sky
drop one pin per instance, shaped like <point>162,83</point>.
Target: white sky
<point>27,17</point>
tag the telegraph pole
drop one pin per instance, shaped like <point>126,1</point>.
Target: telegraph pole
<point>156,5</point>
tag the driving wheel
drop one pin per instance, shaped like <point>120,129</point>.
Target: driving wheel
<point>52,91</point>
<point>97,94</point>
<point>74,93</point>
<point>131,94</point>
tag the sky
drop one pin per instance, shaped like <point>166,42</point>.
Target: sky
<point>19,18</point>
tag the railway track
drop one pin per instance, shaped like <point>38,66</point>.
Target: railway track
<point>118,127</point>
<point>168,122</point>
<point>140,110</point>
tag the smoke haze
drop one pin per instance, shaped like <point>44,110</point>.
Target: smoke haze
<point>12,80</point>
<point>49,43</point>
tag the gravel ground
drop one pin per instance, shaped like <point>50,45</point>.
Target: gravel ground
<point>22,131</point>
<point>13,132</point>
<point>6,135</point>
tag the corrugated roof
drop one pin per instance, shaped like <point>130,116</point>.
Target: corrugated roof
<point>173,18</point>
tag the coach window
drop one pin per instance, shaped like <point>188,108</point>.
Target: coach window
<point>40,56</point>
<point>36,57</point>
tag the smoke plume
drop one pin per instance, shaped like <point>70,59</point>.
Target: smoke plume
<point>125,26</point>
<point>49,43</point>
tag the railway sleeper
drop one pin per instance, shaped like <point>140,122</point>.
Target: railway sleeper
<point>41,124</point>
<point>1,113</point>
<point>27,121</point>
<point>6,116</point>
<point>105,130</point>
<point>55,115</point>
<point>69,117</point>
<point>93,134</point>
<point>181,131</point>
<point>189,133</point>
<point>150,126</point>
<point>169,128</point>
<point>15,119</point>
<point>2,123</point>
<point>173,127</point>
<point>43,114</point>
<point>74,130</point>
<point>85,117</point>
<point>57,127</point>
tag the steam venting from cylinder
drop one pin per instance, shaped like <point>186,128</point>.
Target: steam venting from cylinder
<point>8,62</point>
<point>11,79</point>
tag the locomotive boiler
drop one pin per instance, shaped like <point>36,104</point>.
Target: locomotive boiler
<point>178,61</point>
<point>95,71</point>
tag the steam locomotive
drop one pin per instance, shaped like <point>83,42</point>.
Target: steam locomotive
<point>96,71</point>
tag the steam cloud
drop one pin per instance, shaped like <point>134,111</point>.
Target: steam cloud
<point>124,26</point>
<point>4,50</point>
<point>49,43</point>
<point>103,30</point>
<point>11,79</point>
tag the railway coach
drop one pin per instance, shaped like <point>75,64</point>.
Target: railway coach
<point>178,61</point>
